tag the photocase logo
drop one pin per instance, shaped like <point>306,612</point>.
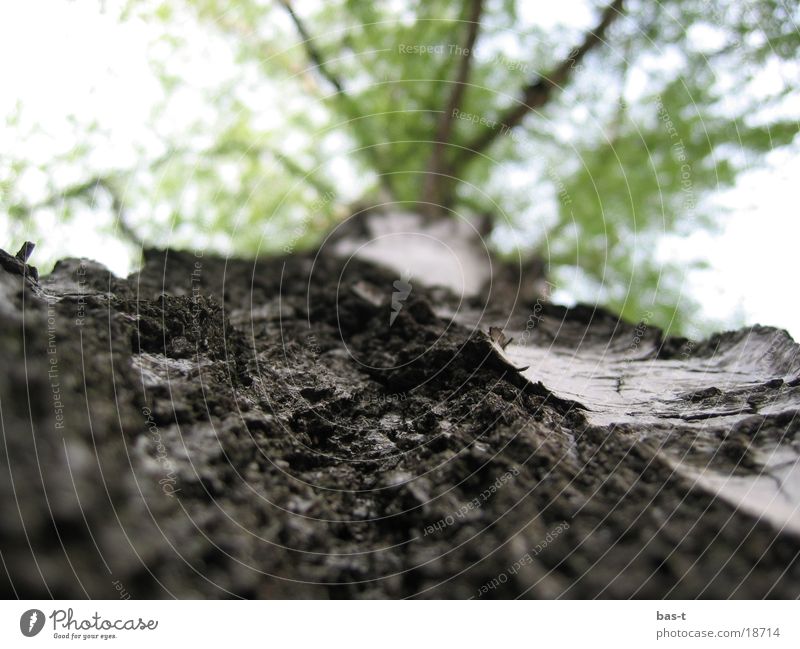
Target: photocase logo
<point>402,289</point>
<point>31,622</point>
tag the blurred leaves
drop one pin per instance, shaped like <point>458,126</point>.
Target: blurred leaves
<point>257,151</point>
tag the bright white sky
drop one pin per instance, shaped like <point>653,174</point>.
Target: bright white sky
<point>65,57</point>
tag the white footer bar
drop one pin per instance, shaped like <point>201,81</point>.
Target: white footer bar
<point>385,625</point>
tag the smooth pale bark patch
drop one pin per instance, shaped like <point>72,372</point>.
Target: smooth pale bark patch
<point>734,390</point>
<point>446,252</point>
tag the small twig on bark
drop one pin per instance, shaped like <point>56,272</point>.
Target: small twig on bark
<point>25,252</point>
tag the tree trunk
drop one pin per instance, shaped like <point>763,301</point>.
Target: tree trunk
<point>302,427</point>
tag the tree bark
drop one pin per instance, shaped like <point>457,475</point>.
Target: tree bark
<point>293,428</point>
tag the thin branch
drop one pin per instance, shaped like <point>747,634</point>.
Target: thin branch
<point>87,190</point>
<point>444,128</point>
<point>539,91</point>
<point>119,210</point>
<point>73,191</point>
<point>618,120</point>
<point>295,169</point>
<point>90,187</point>
<point>351,108</point>
<point>311,49</point>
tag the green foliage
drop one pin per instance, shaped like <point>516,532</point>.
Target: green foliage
<point>648,127</point>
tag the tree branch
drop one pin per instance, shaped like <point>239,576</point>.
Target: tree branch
<point>433,178</point>
<point>87,190</point>
<point>539,91</point>
<point>352,109</point>
<point>295,169</point>
<point>90,188</point>
<point>311,49</point>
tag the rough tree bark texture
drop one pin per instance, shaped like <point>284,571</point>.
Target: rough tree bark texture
<point>213,428</point>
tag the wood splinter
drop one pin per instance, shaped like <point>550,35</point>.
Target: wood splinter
<point>25,252</point>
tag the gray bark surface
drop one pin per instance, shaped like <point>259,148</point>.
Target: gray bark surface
<point>230,428</point>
